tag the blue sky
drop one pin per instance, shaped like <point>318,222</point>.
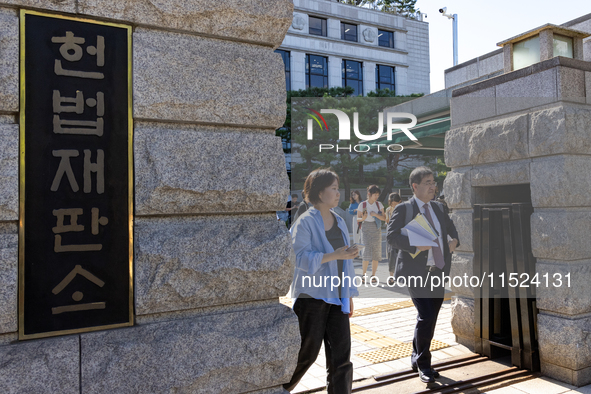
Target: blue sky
<point>481,25</point>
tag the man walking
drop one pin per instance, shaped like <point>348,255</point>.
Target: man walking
<point>431,261</point>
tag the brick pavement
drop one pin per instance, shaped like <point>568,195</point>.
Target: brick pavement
<point>398,326</point>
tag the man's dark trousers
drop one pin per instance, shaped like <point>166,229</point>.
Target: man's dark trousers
<point>428,304</point>
<point>426,301</point>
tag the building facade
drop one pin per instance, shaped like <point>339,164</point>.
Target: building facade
<point>331,44</point>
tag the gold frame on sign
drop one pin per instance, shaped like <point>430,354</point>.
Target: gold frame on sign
<point>21,230</point>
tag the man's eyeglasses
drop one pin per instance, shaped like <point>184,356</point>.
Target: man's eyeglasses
<point>430,184</point>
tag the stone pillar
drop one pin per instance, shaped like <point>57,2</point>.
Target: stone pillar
<point>546,44</point>
<point>334,28</point>
<point>508,58</point>
<point>578,48</point>
<point>401,78</point>
<point>369,77</point>
<point>531,127</point>
<point>335,72</point>
<point>298,70</point>
<point>210,258</point>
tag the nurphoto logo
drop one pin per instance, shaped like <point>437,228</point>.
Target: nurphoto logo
<point>344,129</point>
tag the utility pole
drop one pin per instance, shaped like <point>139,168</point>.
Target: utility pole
<point>453,17</point>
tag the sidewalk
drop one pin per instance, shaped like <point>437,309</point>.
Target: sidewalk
<point>381,341</point>
<point>381,334</point>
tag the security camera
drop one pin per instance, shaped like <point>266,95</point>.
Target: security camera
<point>443,10</point>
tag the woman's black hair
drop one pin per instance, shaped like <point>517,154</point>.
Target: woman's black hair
<point>372,189</point>
<point>316,182</point>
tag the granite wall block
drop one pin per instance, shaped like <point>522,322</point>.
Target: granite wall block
<point>199,261</point>
<point>568,291</point>
<point>224,353</point>
<point>261,21</point>
<point>44,366</point>
<point>198,169</point>
<point>8,282</point>
<point>9,59</point>
<point>181,77</point>
<point>458,192</point>
<point>561,234</point>
<point>561,181</point>
<point>499,140</point>
<point>562,129</point>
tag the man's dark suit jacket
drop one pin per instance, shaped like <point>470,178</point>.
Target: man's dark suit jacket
<point>405,264</point>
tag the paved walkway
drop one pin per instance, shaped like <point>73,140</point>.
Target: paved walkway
<point>373,330</point>
<point>381,340</point>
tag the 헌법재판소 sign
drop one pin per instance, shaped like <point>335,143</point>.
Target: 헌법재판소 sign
<point>75,251</point>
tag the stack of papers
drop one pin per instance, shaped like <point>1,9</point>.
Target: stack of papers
<point>420,233</point>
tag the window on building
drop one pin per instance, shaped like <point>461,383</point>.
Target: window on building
<point>563,46</point>
<point>353,76</point>
<point>316,71</point>
<point>526,52</point>
<point>317,26</point>
<point>386,38</point>
<point>285,56</point>
<point>348,32</point>
<point>385,77</point>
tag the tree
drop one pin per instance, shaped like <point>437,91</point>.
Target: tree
<point>404,8</point>
<point>355,2</point>
<point>401,7</point>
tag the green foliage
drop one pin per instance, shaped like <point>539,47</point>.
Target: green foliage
<point>404,8</point>
<point>401,7</point>
<point>345,205</point>
<point>390,93</point>
<point>441,169</point>
<point>355,2</point>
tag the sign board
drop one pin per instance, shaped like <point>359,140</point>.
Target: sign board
<point>76,180</point>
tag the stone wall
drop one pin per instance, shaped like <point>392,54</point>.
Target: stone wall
<point>482,66</point>
<point>210,258</point>
<point>531,126</point>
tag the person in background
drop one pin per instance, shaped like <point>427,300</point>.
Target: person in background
<point>370,213</point>
<point>393,200</point>
<point>355,200</point>
<point>320,240</point>
<point>283,216</point>
<point>303,207</point>
<point>291,205</point>
<point>441,199</point>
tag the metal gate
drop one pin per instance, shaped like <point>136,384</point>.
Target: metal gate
<point>505,305</point>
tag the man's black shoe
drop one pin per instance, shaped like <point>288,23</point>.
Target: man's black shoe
<point>426,377</point>
<point>433,372</point>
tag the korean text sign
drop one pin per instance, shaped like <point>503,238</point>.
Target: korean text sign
<point>75,235</point>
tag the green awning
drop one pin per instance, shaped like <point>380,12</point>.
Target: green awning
<point>430,134</point>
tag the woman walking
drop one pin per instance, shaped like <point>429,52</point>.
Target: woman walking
<point>320,240</point>
<point>370,213</point>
